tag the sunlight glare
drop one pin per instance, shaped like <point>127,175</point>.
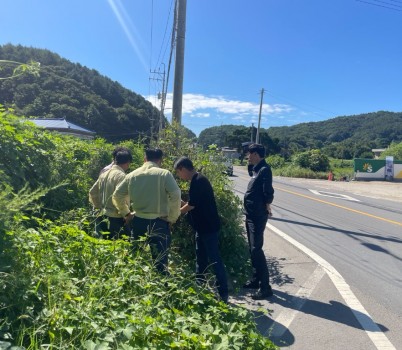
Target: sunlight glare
<point>125,23</point>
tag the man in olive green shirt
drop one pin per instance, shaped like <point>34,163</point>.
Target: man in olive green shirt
<point>110,224</point>
<point>155,199</point>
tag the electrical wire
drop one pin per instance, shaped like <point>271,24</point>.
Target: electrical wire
<point>387,3</point>
<point>400,2</point>
<point>172,45</point>
<point>164,37</point>
<point>292,103</point>
<point>370,3</point>
<point>150,55</point>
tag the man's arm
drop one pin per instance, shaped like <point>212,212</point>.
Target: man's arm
<point>269,210</point>
<point>267,189</point>
<point>186,208</point>
<point>94,196</point>
<point>121,198</point>
<point>174,198</point>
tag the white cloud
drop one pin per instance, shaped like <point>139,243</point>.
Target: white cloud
<point>200,115</point>
<point>196,104</point>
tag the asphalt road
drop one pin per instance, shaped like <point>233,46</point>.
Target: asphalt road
<point>336,268</point>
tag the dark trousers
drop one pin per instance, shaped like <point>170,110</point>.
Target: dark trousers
<point>111,228</point>
<point>207,253</point>
<point>157,233</point>
<point>255,227</point>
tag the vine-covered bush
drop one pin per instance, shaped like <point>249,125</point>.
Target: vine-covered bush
<point>233,246</point>
<point>313,160</point>
<point>395,150</point>
<point>67,290</point>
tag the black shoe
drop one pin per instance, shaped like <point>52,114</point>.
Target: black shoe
<point>262,294</point>
<point>252,285</point>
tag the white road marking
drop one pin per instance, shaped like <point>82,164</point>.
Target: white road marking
<point>285,318</point>
<point>334,195</point>
<point>378,338</point>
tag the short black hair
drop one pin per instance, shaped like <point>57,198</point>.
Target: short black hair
<point>123,157</point>
<point>184,162</point>
<point>257,148</point>
<point>153,154</point>
<point>117,150</point>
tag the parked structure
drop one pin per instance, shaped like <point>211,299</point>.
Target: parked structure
<point>62,126</point>
<point>377,152</point>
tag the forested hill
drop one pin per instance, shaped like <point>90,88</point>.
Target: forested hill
<point>341,137</point>
<point>77,93</point>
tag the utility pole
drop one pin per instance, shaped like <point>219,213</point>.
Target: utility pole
<point>252,130</point>
<point>257,138</point>
<point>163,99</point>
<point>161,96</point>
<point>180,25</point>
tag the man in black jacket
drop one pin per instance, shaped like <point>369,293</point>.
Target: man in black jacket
<point>205,221</point>
<point>257,207</point>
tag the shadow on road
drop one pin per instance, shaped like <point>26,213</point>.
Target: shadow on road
<point>278,333</point>
<point>334,229</point>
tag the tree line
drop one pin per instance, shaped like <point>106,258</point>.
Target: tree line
<point>345,137</point>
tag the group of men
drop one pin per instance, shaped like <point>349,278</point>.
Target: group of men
<point>145,202</point>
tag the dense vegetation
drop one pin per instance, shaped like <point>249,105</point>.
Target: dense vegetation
<point>395,150</point>
<point>79,94</point>
<point>234,135</point>
<point>342,137</point>
<point>62,288</point>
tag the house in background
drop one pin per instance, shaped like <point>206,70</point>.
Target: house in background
<point>377,152</point>
<point>230,153</point>
<point>62,126</point>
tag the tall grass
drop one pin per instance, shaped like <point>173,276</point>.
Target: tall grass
<point>67,290</point>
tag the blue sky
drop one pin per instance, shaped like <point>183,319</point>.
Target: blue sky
<point>316,59</point>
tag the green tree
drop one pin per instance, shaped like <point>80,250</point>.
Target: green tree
<point>313,160</point>
<point>395,150</point>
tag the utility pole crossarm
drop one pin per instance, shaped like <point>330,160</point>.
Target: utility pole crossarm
<point>162,97</point>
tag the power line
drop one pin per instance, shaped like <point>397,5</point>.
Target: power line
<point>150,55</point>
<point>300,105</point>
<point>387,3</point>
<point>164,36</point>
<point>391,8</point>
<point>152,27</point>
<point>172,44</point>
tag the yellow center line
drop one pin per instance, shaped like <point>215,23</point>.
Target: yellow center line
<point>340,206</point>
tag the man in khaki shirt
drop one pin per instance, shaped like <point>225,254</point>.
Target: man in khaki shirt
<point>155,199</point>
<point>110,224</point>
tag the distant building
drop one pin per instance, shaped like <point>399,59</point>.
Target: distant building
<point>377,152</point>
<point>62,126</point>
<point>230,153</point>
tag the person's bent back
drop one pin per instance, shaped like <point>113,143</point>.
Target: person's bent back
<point>155,199</point>
<point>152,191</point>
